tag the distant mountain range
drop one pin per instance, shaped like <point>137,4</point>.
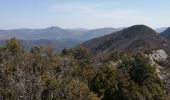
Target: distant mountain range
<point>50,33</point>
<point>55,33</point>
<point>161,29</point>
<point>97,33</point>
<point>132,39</point>
<point>62,38</point>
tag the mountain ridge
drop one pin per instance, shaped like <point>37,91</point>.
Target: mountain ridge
<point>64,38</point>
<point>131,39</point>
<point>55,32</point>
<point>166,33</point>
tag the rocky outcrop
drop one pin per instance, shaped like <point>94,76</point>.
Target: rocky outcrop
<point>159,56</point>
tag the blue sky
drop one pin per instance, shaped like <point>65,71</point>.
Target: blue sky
<point>83,13</point>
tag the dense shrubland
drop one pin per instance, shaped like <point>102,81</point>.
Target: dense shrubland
<point>43,74</point>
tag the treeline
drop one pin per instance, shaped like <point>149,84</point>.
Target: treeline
<point>43,74</point>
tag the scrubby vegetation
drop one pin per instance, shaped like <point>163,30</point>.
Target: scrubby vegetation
<point>43,74</point>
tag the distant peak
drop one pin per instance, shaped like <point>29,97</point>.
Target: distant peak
<point>53,28</point>
<point>140,27</point>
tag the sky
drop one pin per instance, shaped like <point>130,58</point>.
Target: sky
<point>83,13</point>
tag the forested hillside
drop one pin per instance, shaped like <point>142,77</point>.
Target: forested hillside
<point>132,39</point>
<point>43,74</point>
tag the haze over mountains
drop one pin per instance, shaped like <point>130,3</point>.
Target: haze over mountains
<point>57,33</point>
<point>160,29</point>
<point>62,38</point>
<point>54,35</point>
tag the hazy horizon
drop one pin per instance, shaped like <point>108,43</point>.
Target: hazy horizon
<point>90,14</point>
